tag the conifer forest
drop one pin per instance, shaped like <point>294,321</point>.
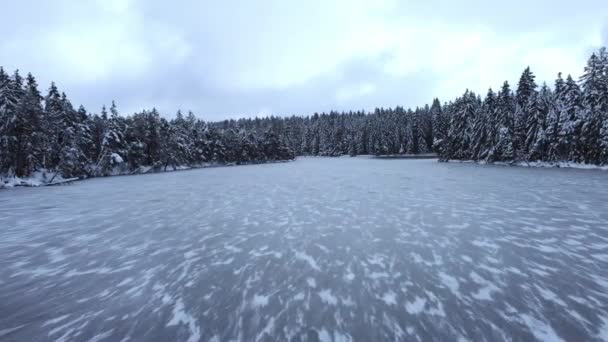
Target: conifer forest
<point>526,122</point>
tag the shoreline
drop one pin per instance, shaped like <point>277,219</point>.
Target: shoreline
<point>37,181</point>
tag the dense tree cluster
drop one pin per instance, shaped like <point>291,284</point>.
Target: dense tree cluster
<point>47,133</point>
<point>385,131</point>
<point>566,123</point>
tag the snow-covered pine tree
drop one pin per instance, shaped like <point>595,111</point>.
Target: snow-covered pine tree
<point>440,124</point>
<point>31,117</point>
<point>604,142</point>
<point>415,132</point>
<point>555,121</point>
<point>537,128</point>
<point>525,122</point>
<point>595,101</point>
<point>85,135</point>
<point>428,128</point>
<point>481,127</point>
<point>603,57</point>
<point>53,111</point>
<point>72,160</point>
<point>502,130</point>
<point>460,133</point>
<point>571,117</point>
<point>9,103</point>
<point>15,126</point>
<point>181,140</point>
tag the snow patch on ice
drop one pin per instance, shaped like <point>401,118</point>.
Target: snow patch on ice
<point>102,336</point>
<point>307,258</point>
<point>326,336</point>
<point>485,292</point>
<point>10,330</point>
<point>603,330</point>
<point>541,330</point>
<point>180,316</point>
<point>259,301</point>
<point>55,320</point>
<point>268,329</point>
<point>415,307</point>
<point>327,297</point>
<point>225,262</point>
<point>550,296</point>
<point>449,282</point>
<point>378,275</point>
<point>349,276</point>
<point>389,298</point>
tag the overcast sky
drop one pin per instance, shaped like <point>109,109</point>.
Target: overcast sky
<point>228,59</point>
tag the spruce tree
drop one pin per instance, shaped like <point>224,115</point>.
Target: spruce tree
<point>502,131</point>
<point>538,141</point>
<point>595,103</point>
<point>555,121</point>
<point>31,120</point>
<point>440,124</point>
<point>482,128</point>
<point>8,108</point>
<point>526,113</point>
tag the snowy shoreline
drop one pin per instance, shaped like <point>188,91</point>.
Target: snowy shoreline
<point>41,178</point>
<point>556,165</point>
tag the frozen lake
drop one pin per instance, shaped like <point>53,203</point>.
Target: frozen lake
<point>318,249</point>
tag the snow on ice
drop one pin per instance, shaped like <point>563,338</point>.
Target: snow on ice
<point>345,249</point>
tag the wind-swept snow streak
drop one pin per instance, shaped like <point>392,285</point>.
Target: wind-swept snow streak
<point>345,249</point>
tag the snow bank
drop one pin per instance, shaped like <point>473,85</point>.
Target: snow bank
<point>38,178</point>
<point>43,178</point>
<point>116,158</point>
<point>563,164</point>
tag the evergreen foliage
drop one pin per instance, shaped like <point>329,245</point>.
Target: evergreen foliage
<point>566,123</point>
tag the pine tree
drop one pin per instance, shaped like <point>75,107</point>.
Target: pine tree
<point>571,116</point>
<point>9,102</point>
<point>603,60</point>
<point>440,124</point>
<point>72,160</point>
<point>53,109</point>
<point>460,133</point>
<point>526,113</point>
<point>14,126</point>
<point>595,102</point>
<point>502,127</point>
<point>537,128</point>
<point>481,127</point>
<point>30,122</point>
<point>555,121</point>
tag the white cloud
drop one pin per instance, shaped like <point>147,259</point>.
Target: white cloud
<point>238,55</point>
<point>97,54</point>
<point>350,92</point>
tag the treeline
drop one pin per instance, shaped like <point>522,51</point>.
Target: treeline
<point>568,122</point>
<point>46,133</point>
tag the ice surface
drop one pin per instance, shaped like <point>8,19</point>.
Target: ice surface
<point>345,249</point>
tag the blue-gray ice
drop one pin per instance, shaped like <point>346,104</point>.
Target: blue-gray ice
<point>345,249</point>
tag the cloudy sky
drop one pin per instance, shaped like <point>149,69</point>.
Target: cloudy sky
<point>234,58</point>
